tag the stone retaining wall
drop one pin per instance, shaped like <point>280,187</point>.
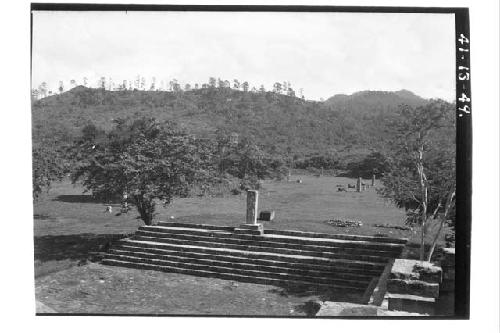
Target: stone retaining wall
<point>413,286</point>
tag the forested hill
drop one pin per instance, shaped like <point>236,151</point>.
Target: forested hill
<point>368,102</point>
<point>282,124</point>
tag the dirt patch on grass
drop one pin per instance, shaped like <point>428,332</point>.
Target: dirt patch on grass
<point>99,289</point>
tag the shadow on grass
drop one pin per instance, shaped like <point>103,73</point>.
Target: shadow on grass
<point>323,294</point>
<point>84,198</point>
<point>73,247</point>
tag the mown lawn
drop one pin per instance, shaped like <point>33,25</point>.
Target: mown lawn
<point>305,206</point>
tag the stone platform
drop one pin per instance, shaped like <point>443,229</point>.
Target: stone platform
<point>251,254</point>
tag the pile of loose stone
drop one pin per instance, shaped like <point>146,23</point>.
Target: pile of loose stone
<point>344,223</point>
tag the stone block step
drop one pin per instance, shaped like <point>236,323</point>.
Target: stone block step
<point>335,267</point>
<point>411,303</point>
<point>234,277</point>
<point>227,262</point>
<point>162,238</point>
<point>303,259</point>
<point>302,234</point>
<point>215,268</point>
<point>413,287</point>
<point>229,238</point>
<point>409,269</point>
<point>358,244</point>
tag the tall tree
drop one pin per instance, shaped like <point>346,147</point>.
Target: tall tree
<point>220,83</point>
<point>153,84</point>
<point>102,82</point>
<point>421,174</point>
<point>212,82</point>
<point>245,86</point>
<point>277,88</point>
<point>34,94</point>
<point>43,89</point>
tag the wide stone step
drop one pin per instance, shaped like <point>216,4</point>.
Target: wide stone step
<point>229,238</point>
<point>295,233</point>
<point>336,236</point>
<point>255,272</point>
<point>347,243</point>
<point>413,287</point>
<point>234,277</point>
<point>282,250</point>
<point>303,259</point>
<point>195,226</point>
<point>270,266</point>
<point>334,267</point>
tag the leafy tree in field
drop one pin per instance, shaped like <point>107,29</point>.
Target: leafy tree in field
<point>421,176</point>
<point>245,86</point>
<point>146,160</point>
<point>47,168</point>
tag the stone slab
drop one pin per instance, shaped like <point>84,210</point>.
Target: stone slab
<point>413,287</point>
<point>266,215</point>
<point>407,269</point>
<point>411,303</point>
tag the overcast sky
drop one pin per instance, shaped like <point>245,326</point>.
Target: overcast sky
<point>323,53</point>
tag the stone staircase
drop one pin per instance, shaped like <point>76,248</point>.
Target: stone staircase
<point>284,258</point>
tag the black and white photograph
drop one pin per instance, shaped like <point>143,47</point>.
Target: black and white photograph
<point>268,162</point>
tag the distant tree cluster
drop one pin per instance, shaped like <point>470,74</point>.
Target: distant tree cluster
<point>140,83</point>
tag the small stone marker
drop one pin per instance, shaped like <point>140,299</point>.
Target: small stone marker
<point>252,205</point>
<point>373,180</point>
<point>358,185</point>
<point>266,215</point>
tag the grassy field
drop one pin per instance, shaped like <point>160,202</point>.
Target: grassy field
<point>306,206</point>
